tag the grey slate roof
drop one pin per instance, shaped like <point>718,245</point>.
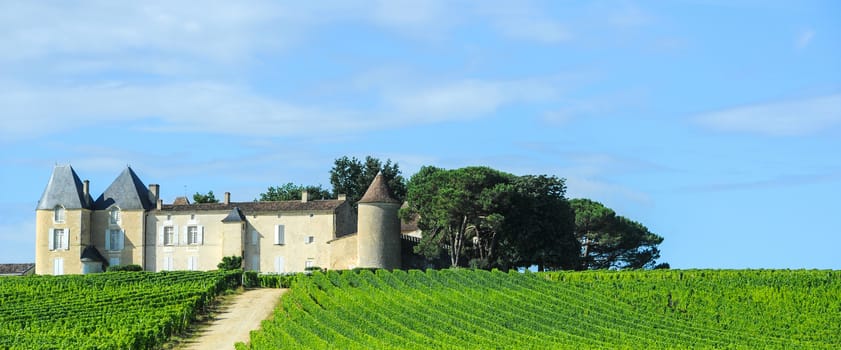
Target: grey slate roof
<point>91,254</point>
<point>234,216</point>
<point>127,192</point>
<point>378,192</point>
<point>64,189</point>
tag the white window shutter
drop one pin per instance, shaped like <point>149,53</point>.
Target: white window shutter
<point>65,239</point>
<point>52,239</point>
<point>122,240</point>
<point>183,236</point>
<point>160,235</point>
<point>201,235</point>
<point>279,234</point>
<point>278,264</point>
<point>107,240</point>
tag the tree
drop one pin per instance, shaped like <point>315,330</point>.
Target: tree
<point>291,191</point>
<point>539,225</point>
<point>351,177</point>
<point>612,241</point>
<point>205,198</point>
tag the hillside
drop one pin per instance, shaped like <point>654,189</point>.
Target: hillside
<point>486,310</point>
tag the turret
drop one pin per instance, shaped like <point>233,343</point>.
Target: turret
<point>378,240</point>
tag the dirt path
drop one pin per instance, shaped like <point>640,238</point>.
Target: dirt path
<point>233,323</point>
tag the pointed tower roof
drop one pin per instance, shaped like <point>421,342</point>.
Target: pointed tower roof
<point>378,192</point>
<point>91,254</point>
<point>127,192</point>
<point>234,216</point>
<point>64,189</point>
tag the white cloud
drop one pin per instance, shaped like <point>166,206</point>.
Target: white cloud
<point>467,98</point>
<point>235,110</point>
<point>804,39</point>
<point>787,118</point>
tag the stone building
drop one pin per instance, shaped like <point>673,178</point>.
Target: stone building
<point>130,224</point>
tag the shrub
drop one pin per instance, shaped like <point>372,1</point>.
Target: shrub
<point>132,267</point>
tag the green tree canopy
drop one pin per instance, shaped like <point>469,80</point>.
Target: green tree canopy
<point>291,191</point>
<point>351,176</point>
<point>492,218</point>
<point>205,198</point>
<point>612,241</point>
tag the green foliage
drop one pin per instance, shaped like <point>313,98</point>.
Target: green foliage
<point>132,267</point>
<point>350,176</point>
<point>476,309</point>
<point>205,198</point>
<point>230,263</point>
<point>612,241</point>
<point>138,310</point>
<point>291,191</point>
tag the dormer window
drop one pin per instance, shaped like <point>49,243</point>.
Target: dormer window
<point>58,215</point>
<point>114,216</point>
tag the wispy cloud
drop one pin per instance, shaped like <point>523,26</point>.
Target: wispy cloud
<point>786,118</point>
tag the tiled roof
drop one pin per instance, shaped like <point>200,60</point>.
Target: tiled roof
<point>378,192</point>
<point>64,189</point>
<point>253,207</point>
<point>15,269</point>
<point>127,192</point>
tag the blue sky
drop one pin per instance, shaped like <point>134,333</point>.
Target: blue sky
<point>717,124</point>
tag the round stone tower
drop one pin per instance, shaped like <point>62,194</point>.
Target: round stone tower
<point>378,237</point>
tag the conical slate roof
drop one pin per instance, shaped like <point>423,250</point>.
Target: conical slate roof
<point>234,216</point>
<point>91,254</point>
<point>64,189</point>
<point>378,192</point>
<point>127,192</point>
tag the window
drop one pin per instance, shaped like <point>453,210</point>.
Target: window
<point>169,235</point>
<point>114,239</point>
<point>114,216</point>
<point>167,263</point>
<point>309,239</point>
<point>279,234</point>
<point>254,237</point>
<point>58,266</point>
<point>192,263</point>
<point>59,214</point>
<point>114,262</point>
<point>255,263</point>
<point>58,239</point>
<point>278,264</point>
<point>194,235</point>
<point>309,264</point>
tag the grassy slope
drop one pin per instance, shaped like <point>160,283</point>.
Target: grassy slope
<point>103,311</point>
<point>481,310</point>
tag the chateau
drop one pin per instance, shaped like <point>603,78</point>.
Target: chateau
<point>130,224</point>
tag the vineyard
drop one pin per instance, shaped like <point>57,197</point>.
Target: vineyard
<point>452,309</point>
<point>121,310</point>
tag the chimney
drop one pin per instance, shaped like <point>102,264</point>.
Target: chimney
<point>227,198</point>
<point>86,188</point>
<point>156,191</point>
<point>160,204</point>
<point>305,196</point>
<point>342,197</point>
